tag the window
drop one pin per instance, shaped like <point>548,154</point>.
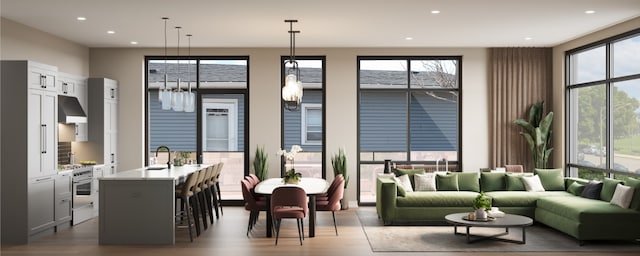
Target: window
<point>603,89</point>
<point>311,124</point>
<point>408,112</point>
<point>305,127</point>
<point>216,131</point>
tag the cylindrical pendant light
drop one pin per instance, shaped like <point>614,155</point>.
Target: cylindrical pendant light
<point>189,96</point>
<point>164,92</point>
<point>177,97</point>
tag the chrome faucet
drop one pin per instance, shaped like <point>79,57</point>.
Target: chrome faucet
<point>437,164</point>
<point>169,151</point>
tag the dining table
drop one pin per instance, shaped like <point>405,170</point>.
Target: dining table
<point>312,186</point>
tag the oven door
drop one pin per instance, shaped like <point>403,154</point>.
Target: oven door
<point>82,200</point>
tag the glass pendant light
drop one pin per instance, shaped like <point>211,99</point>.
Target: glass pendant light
<point>292,90</point>
<point>177,97</point>
<point>189,96</point>
<point>164,93</point>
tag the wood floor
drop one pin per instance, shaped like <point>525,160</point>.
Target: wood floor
<point>227,237</point>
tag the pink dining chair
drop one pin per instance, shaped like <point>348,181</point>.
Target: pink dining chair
<point>251,204</point>
<point>331,189</point>
<point>516,168</point>
<point>289,202</point>
<point>332,203</point>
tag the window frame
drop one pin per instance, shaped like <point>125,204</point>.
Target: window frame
<point>304,127</point>
<point>571,105</point>
<point>408,91</point>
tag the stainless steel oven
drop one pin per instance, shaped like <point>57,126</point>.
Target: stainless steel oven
<point>82,194</point>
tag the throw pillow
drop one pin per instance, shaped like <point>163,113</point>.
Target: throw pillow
<point>404,182</point>
<point>400,189</point>
<point>425,182</point>
<point>410,172</point>
<point>492,181</point>
<point>552,179</point>
<point>513,182</point>
<point>533,183</point>
<point>608,187</point>
<point>468,181</point>
<point>622,196</point>
<point>635,184</point>
<point>592,190</point>
<point>447,182</point>
<point>575,188</point>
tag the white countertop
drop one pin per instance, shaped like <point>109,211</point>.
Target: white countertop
<point>175,173</point>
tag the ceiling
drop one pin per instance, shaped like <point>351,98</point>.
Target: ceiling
<point>323,23</point>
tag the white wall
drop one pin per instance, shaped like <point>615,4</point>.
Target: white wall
<point>127,66</point>
<point>20,42</point>
<point>559,84</point>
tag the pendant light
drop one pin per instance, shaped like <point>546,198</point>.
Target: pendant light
<point>164,93</point>
<point>292,90</point>
<point>177,97</point>
<point>189,96</point>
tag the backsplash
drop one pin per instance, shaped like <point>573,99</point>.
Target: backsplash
<point>64,149</point>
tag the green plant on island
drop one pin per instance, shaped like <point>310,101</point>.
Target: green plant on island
<point>537,133</point>
<point>339,164</point>
<point>260,163</point>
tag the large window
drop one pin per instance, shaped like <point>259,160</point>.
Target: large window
<point>305,127</point>
<point>217,130</point>
<point>409,112</point>
<point>603,89</point>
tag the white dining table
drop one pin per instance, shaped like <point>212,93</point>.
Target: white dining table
<point>312,186</point>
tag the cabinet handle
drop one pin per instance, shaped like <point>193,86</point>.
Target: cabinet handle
<point>64,200</point>
<point>112,157</point>
<point>43,133</point>
<point>43,179</point>
<point>76,129</point>
<point>43,81</point>
<point>45,138</point>
<point>113,93</point>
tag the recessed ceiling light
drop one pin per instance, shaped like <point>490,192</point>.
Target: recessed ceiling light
<point>134,42</point>
<point>80,18</point>
<point>435,12</point>
<point>589,11</point>
<point>528,38</point>
<point>111,32</point>
<point>408,38</point>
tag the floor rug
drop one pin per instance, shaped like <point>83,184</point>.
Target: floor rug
<point>440,238</point>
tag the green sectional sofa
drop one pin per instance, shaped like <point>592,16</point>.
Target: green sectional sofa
<point>568,212</point>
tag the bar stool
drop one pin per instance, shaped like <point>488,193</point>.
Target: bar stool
<point>200,196</point>
<point>185,193</point>
<point>217,188</point>
<point>206,190</point>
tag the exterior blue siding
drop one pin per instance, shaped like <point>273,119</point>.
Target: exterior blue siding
<point>293,123</point>
<point>434,122</point>
<point>383,121</point>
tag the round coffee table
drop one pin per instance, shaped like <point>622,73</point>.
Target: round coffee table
<point>508,221</point>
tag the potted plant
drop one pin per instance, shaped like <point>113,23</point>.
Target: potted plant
<point>538,134</point>
<point>291,176</point>
<point>481,204</point>
<point>339,164</point>
<point>181,158</point>
<point>260,164</point>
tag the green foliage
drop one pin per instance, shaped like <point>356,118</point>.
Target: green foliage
<point>590,174</point>
<point>592,113</point>
<point>339,164</point>
<point>261,164</point>
<point>291,176</point>
<point>538,134</point>
<point>482,201</point>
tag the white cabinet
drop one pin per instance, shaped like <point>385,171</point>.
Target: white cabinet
<point>63,197</point>
<point>42,129</point>
<point>76,87</point>
<point>103,124</point>
<point>29,150</point>
<point>41,204</point>
<point>98,172</point>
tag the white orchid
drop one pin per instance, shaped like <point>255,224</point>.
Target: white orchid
<point>290,156</point>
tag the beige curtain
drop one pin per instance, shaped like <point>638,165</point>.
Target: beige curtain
<point>519,77</point>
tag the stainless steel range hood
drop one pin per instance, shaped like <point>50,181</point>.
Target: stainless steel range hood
<point>70,111</point>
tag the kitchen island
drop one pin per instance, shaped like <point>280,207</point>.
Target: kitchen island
<point>138,206</point>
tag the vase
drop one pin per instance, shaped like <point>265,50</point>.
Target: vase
<point>481,213</point>
<point>291,180</point>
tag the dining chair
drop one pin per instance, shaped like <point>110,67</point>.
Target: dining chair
<point>333,202</point>
<point>332,187</point>
<point>188,203</point>
<point>289,202</point>
<point>517,168</point>
<point>253,180</point>
<point>251,204</point>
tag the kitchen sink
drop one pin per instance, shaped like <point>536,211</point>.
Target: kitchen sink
<point>155,168</point>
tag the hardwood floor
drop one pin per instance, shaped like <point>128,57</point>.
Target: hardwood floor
<point>227,237</point>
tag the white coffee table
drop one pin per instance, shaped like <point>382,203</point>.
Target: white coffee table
<point>508,221</point>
